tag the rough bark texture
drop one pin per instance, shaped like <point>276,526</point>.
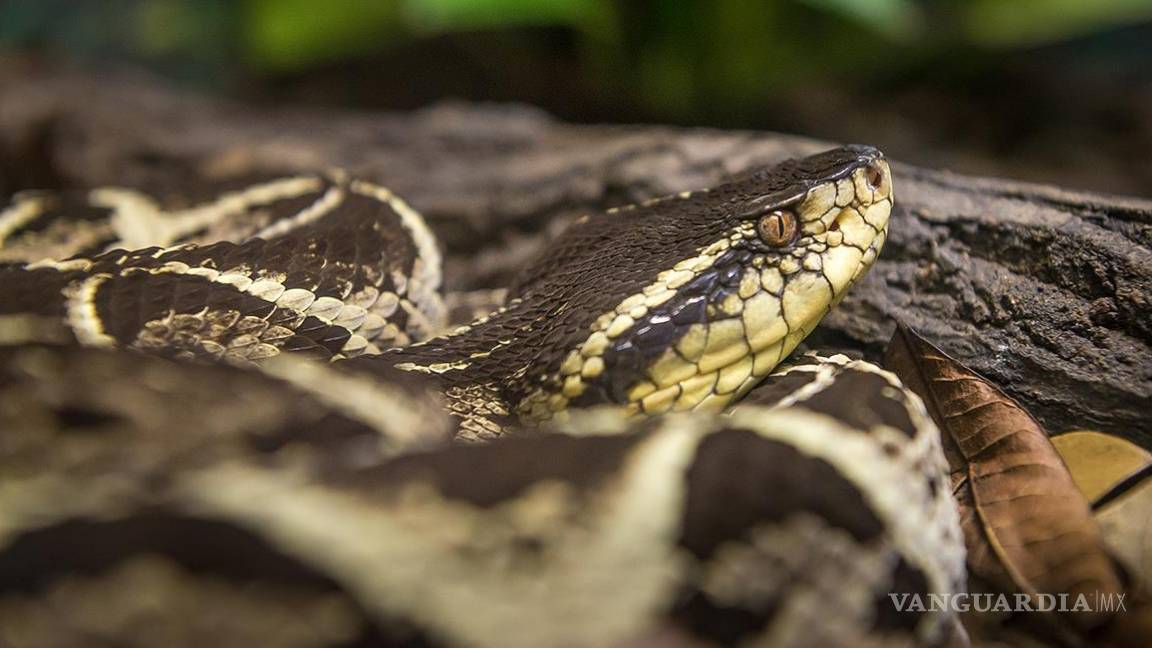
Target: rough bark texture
<point>1046,292</point>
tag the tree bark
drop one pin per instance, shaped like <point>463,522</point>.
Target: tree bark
<point>1046,292</point>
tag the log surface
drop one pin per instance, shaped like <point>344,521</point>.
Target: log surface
<point>1046,292</point>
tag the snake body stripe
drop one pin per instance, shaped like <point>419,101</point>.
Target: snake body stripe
<point>751,529</point>
<point>343,272</point>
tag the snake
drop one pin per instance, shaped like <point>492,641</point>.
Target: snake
<point>240,416</point>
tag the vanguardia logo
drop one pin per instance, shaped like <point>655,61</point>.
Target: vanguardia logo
<point>966,602</point>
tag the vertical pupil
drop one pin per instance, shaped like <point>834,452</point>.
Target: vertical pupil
<point>775,228</point>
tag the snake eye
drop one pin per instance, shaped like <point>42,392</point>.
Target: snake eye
<point>777,228</point>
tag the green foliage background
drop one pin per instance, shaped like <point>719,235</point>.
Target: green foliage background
<point>671,57</point>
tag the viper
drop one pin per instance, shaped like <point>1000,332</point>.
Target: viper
<point>619,509</point>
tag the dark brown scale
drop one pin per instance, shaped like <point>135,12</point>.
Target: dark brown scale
<point>198,547</point>
<point>756,480</point>
<point>492,474</point>
<point>127,303</point>
<point>906,580</point>
<point>861,399</point>
<point>40,556</point>
<point>249,409</point>
<point>24,291</point>
<point>775,388</point>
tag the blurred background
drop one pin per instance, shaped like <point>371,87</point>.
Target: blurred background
<point>1049,90</point>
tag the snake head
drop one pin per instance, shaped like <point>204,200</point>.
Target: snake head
<point>688,301</point>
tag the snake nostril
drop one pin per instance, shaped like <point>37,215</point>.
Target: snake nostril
<point>874,175</point>
<point>835,226</point>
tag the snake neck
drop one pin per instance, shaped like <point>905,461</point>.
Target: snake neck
<point>486,369</point>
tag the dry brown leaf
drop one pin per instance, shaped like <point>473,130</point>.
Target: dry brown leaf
<point>1098,462</point>
<point>1027,527</point>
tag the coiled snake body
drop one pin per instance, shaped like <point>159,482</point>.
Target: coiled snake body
<point>160,501</point>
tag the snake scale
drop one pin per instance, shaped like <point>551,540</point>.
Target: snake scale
<point>235,417</point>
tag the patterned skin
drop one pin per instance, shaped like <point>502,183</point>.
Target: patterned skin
<point>317,264</point>
<point>282,521</point>
<point>682,303</point>
<point>153,501</point>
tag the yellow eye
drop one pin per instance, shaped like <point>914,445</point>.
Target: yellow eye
<point>777,228</point>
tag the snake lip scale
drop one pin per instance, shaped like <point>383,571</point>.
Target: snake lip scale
<point>238,414</point>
